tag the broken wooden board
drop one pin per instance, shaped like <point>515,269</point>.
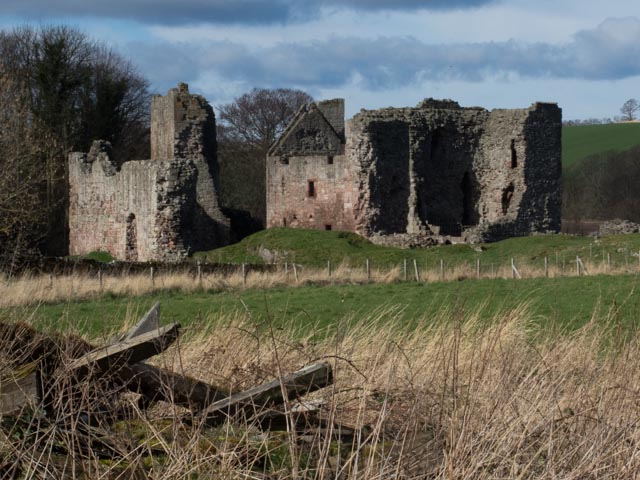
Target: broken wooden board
<point>155,384</point>
<point>19,391</point>
<point>139,348</point>
<point>306,380</point>
<point>148,323</point>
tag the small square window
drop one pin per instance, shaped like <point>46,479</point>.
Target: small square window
<point>327,227</point>
<point>311,188</point>
<point>330,160</point>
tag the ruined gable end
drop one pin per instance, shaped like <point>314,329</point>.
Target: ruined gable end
<point>311,133</point>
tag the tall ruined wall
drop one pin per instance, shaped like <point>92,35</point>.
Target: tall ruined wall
<point>519,169</point>
<point>183,126</point>
<point>416,168</point>
<point>436,170</point>
<point>446,170</point>
<point>308,179</point>
<point>140,212</point>
<point>291,203</point>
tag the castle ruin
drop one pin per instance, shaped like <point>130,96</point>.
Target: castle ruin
<point>437,172</point>
<point>152,210</point>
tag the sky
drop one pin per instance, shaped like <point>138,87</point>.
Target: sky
<point>582,54</point>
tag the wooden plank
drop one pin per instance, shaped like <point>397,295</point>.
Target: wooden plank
<point>16,393</point>
<point>131,351</point>
<point>149,322</point>
<point>158,384</point>
<point>308,379</point>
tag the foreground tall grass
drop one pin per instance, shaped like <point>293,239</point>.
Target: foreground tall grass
<point>34,289</point>
<point>446,399</point>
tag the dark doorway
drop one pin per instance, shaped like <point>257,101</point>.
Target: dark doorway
<point>507,195</point>
<point>468,212</point>
<point>131,245</point>
<point>514,154</point>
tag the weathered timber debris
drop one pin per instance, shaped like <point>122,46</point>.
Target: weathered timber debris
<point>39,376</point>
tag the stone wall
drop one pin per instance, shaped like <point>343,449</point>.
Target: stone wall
<point>138,213</point>
<point>160,209</point>
<point>437,169</point>
<point>309,180</point>
<point>292,201</point>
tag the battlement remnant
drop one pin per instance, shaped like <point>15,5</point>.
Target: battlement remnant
<point>159,209</point>
<point>438,171</point>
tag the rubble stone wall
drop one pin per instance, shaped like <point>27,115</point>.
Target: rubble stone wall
<point>160,209</point>
<point>136,213</point>
<point>436,169</point>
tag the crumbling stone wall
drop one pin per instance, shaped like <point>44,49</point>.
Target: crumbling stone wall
<point>437,170</point>
<point>160,209</point>
<point>309,182</point>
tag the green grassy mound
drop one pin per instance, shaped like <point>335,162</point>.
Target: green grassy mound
<point>582,141</point>
<point>316,247</point>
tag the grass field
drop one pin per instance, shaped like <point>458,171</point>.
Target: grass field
<point>582,141</point>
<point>564,303</point>
<point>316,247</point>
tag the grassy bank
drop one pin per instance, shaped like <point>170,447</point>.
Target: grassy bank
<point>316,247</point>
<point>563,302</point>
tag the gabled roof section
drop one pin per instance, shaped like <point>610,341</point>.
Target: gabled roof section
<point>309,133</point>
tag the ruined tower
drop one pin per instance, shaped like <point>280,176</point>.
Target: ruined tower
<point>437,170</point>
<point>160,209</point>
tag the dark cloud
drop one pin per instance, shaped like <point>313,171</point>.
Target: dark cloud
<point>609,52</point>
<point>175,12</point>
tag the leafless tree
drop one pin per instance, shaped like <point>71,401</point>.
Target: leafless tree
<point>629,109</point>
<point>247,127</point>
<point>260,116</point>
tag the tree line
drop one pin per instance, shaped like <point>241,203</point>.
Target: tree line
<point>60,90</point>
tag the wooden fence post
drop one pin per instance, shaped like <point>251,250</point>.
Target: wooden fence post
<point>153,278</point>
<point>368,268</point>
<point>578,265</point>
<point>478,268</point>
<point>514,270</point>
<point>404,269</point>
<point>295,271</point>
<point>329,268</point>
<point>199,274</point>
<point>415,267</point>
<point>100,278</point>
<point>546,267</point>
<point>244,275</point>
<point>442,269</point>
<point>286,268</point>
<point>608,261</point>
<point>591,250</point>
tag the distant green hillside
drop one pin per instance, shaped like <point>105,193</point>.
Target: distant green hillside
<point>582,141</point>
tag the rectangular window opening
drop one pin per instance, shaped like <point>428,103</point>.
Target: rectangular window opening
<point>514,155</point>
<point>330,160</point>
<point>311,188</point>
<point>327,227</point>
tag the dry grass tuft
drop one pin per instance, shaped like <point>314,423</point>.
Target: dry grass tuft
<point>454,397</point>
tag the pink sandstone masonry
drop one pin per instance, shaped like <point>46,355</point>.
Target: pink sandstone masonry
<point>437,172</point>
<point>160,209</point>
